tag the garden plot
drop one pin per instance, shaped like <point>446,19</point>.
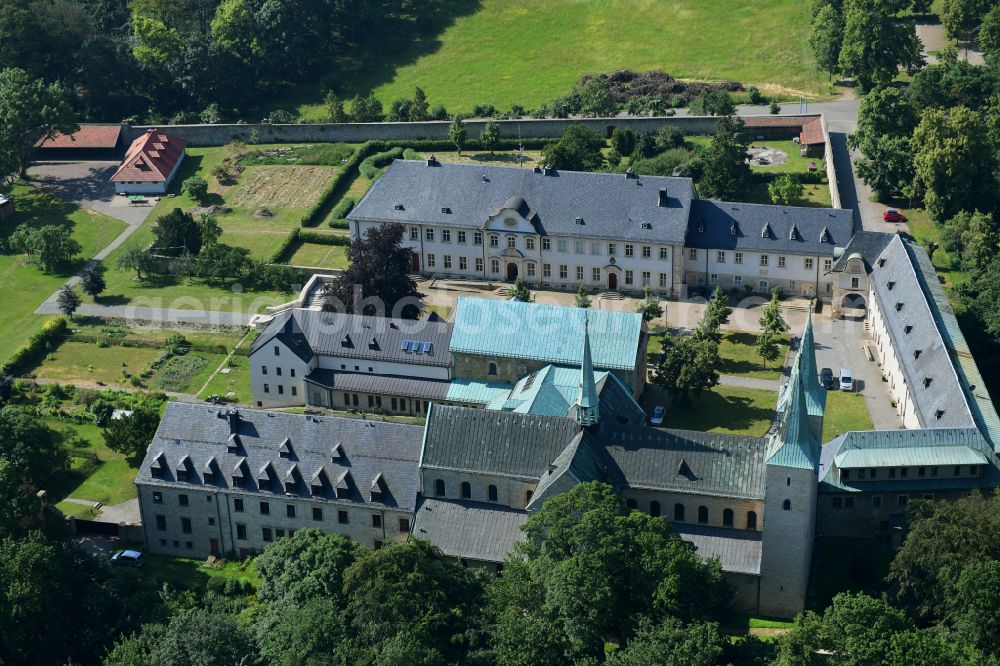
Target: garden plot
<point>280,186</point>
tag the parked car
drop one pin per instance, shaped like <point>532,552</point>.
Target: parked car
<point>846,381</point>
<point>893,215</point>
<point>657,418</point>
<point>132,558</point>
<point>826,378</point>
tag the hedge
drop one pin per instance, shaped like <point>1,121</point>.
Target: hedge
<point>37,345</point>
<point>278,256</point>
<point>323,239</point>
<point>370,168</point>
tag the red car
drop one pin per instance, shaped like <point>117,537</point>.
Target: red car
<point>893,215</point>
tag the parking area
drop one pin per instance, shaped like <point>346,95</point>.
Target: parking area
<point>839,345</point>
<point>87,184</point>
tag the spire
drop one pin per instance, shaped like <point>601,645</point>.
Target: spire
<point>793,445</point>
<point>587,403</point>
<point>807,364</point>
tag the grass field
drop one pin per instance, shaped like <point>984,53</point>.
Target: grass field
<point>23,287</point>
<point>726,409</point>
<point>318,255</point>
<point>240,228</point>
<point>518,51</point>
<point>279,186</point>
<point>85,361</point>
<point>844,412</point>
<point>111,482</point>
<point>236,381</point>
<point>739,358</point>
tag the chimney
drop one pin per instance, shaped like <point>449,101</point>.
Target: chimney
<point>548,170</point>
<point>234,420</point>
<point>663,198</point>
<point>537,169</point>
<point>629,173</point>
<point>433,161</point>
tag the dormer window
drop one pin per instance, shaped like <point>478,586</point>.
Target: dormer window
<point>346,341</point>
<point>398,206</point>
<point>445,210</point>
<point>233,443</point>
<point>890,284</point>
<point>881,262</point>
<point>793,233</point>
<point>938,414</point>
<point>579,221</point>
<point>899,306</point>
<point>766,231</point>
<point>916,353</point>
<point>647,225</point>
<point>373,344</point>
<point>824,236</point>
<point>344,486</point>
<point>285,448</point>
<point>927,381</point>
<point>907,329</point>
<point>701,226</point>
<point>337,454</point>
<point>734,229</point>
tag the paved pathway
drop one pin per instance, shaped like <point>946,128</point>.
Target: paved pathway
<point>179,397</point>
<point>750,382</point>
<point>142,313</point>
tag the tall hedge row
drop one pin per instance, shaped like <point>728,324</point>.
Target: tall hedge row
<point>37,346</point>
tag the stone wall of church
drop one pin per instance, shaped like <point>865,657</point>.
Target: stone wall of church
<point>511,492</point>
<point>716,507</point>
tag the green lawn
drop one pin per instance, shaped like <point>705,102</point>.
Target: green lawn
<point>926,231</point>
<point>795,162</point>
<point>23,287</point>
<point>237,381</point>
<point>111,482</point>
<point>844,412</point>
<point>184,573</point>
<point>316,255</point>
<point>86,362</point>
<point>518,51</point>
<point>124,289</point>
<point>739,358</point>
<point>814,195</point>
<point>726,409</point>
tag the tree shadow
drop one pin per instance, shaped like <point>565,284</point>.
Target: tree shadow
<point>713,410</point>
<point>376,59</point>
<point>112,299</point>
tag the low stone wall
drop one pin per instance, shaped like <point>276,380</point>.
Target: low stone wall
<point>217,135</point>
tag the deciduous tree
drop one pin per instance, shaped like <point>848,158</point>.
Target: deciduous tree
<point>457,133</point>
<point>649,307</point>
<point>131,434</point>
<point>175,233</point>
<point>68,300</point>
<point>876,44</point>
<point>196,187</point>
<point>579,149</point>
<point>785,189</point>
<point>827,37</point>
<point>725,171</point>
<point>688,366</point>
<point>490,136</point>
<point>30,110</point>
<point>92,280</point>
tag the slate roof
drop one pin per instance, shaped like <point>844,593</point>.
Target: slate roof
<point>471,530</point>
<point>867,244</point>
<point>201,434</point>
<point>490,442</point>
<point>411,387</point>
<point>583,460</point>
<point>358,336</point>
<point>721,225</point>
<point>904,448</point>
<point>542,332</point>
<point>86,138</point>
<point>919,347</point>
<point>151,158</point>
<point>713,463</point>
<point>738,551</point>
<point>978,399</point>
<point>611,205</point>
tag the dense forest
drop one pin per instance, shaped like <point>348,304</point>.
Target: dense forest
<point>201,60</point>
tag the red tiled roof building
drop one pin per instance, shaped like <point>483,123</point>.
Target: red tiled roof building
<point>150,164</point>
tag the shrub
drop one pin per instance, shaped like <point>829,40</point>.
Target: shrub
<point>195,187</point>
<point>40,343</point>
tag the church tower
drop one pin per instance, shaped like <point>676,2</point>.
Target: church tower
<point>815,395</point>
<point>790,493</point>
<point>588,408</point>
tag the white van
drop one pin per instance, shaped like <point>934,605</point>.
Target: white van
<point>846,383</point>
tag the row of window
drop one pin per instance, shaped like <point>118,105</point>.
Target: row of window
<point>281,389</point>
<point>277,370</point>
<point>562,244</point>
<point>465,488</point>
<point>728,516</point>
<point>872,474</point>
<point>847,502</point>
<point>721,257</point>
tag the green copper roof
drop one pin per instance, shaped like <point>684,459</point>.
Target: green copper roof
<point>548,333</point>
<point>793,444</point>
<point>910,457</point>
<point>475,392</point>
<point>805,365</point>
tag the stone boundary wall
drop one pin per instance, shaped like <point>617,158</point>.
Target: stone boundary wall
<point>217,135</point>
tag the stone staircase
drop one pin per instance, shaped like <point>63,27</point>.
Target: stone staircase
<point>611,295</point>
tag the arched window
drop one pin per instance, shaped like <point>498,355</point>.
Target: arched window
<point>439,487</point>
<point>527,497</point>
<point>630,504</point>
<point>787,505</point>
<point>751,520</point>
<point>492,368</point>
<point>679,512</point>
<point>466,490</point>
<point>702,514</point>
<point>654,509</point>
<point>493,493</point>
<point>727,518</point>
